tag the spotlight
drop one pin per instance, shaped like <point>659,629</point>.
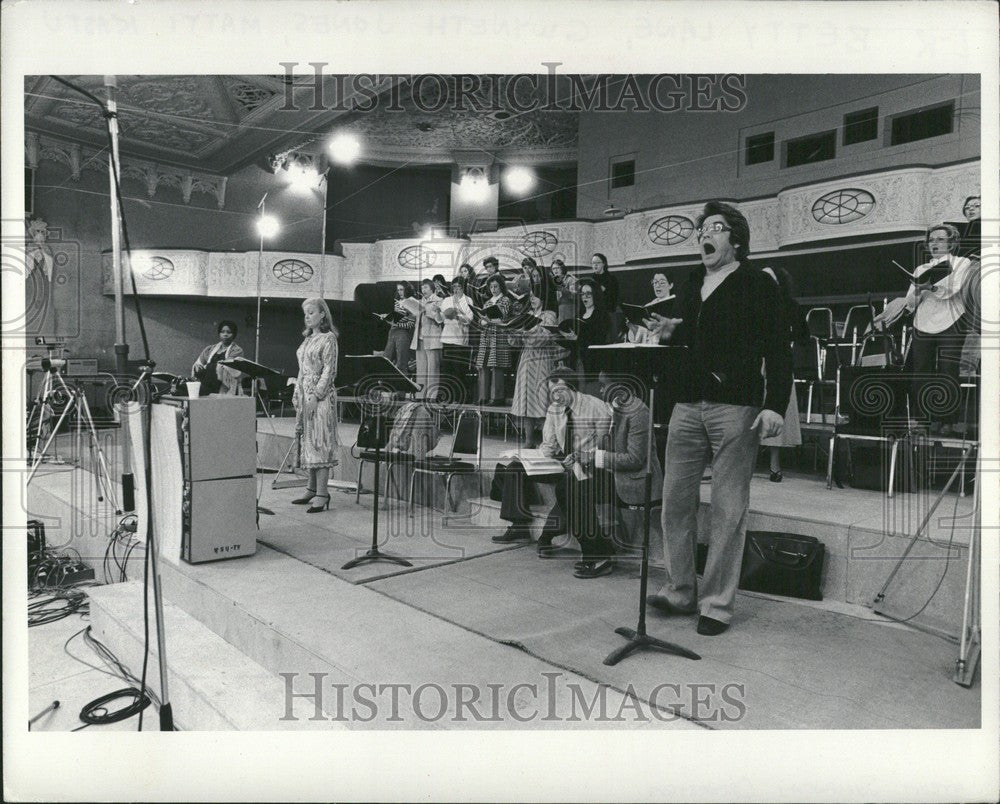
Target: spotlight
<point>302,177</point>
<point>519,180</point>
<point>612,210</point>
<point>474,186</point>
<point>267,226</point>
<point>344,148</point>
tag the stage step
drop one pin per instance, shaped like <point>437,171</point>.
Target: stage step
<point>212,685</point>
<point>290,617</point>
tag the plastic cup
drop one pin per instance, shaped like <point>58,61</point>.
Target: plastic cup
<point>194,389</point>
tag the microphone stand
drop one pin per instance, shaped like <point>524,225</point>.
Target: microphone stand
<point>639,639</point>
<point>143,387</point>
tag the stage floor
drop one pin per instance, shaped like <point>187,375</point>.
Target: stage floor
<point>475,612</point>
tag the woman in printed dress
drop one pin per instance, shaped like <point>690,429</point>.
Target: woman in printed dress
<point>315,402</point>
<point>494,356</point>
<point>540,353</point>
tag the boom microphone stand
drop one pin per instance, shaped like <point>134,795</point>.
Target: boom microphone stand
<point>143,387</point>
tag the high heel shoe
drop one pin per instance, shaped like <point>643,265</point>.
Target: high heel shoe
<point>315,509</point>
<point>310,493</point>
<point>775,476</point>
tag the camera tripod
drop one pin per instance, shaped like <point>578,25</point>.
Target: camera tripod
<point>52,389</point>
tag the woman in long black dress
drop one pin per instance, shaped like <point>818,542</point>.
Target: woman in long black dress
<point>592,327</point>
<point>608,284</point>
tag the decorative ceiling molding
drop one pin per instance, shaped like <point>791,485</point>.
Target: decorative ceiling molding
<point>219,123</point>
<point>151,175</point>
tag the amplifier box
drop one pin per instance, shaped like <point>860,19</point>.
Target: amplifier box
<point>81,366</point>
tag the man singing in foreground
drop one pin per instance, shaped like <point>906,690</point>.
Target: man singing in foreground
<point>731,322</point>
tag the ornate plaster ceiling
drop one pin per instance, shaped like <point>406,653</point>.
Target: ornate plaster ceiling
<point>219,123</point>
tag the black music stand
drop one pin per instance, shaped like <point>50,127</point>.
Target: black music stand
<point>374,376</point>
<point>643,364</point>
<point>256,371</point>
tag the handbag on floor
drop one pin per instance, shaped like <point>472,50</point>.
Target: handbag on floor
<point>783,564</point>
<point>777,564</point>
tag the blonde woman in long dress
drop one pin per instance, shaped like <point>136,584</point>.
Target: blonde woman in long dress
<point>315,402</point>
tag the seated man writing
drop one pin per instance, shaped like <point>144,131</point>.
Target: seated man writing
<point>575,426</point>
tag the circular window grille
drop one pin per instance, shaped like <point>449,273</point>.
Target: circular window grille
<point>843,206</point>
<point>671,230</point>
<point>292,272</point>
<point>417,257</point>
<point>538,244</point>
<point>158,268</point>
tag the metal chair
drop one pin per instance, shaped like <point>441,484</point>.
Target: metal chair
<point>858,321</point>
<point>819,320</point>
<point>468,441</point>
<point>875,407</point>
<point>807,369</point>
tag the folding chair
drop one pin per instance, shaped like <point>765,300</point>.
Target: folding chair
<point>859,319</point>
<point>819,320</point>
<point>468,441</point>
<point>874,407</point>
<point>807,369</point>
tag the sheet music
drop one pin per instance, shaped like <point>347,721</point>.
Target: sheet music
<point>534,462</point>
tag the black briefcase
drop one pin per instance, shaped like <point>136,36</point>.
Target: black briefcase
<point>783,564</point>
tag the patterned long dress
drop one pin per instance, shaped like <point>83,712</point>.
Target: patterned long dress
<point>539,355</point>
<point>494,348</point>
<point>317,356</point>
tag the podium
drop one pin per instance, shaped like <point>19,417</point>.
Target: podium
<point>634,367</point>
<point>375,379</point>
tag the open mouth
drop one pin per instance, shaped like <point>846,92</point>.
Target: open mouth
<point>707,248</point>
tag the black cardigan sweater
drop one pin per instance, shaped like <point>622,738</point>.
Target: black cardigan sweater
<point>739,326</point>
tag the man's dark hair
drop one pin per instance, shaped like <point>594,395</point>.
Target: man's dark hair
<point>491,260</point>
<point>227,323</point>
<point>567,375</point>
<point>740,234</point>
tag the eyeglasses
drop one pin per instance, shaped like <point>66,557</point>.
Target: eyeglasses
<point>713,228</point>
<point>586,293</point>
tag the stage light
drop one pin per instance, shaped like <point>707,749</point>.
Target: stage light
<point>474,186</point>
<point>519,180</point>
<point>344,148</point>
<point>267,226</point>
<point>302,177</point>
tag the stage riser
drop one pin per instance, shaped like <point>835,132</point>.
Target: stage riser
<point>229,692</point>
<point>856,565</point>
<point>338,633</point>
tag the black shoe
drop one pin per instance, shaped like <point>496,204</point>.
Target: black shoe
<point>775,477</point>
<point>662,605</point>
<point>514,533</point>
<point>709,627</point>
<point>595,569</point>
<point>307,499</point>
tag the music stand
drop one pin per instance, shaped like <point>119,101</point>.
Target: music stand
<point>645,363</point>
<point>255,371</point>
<point>373,377</point>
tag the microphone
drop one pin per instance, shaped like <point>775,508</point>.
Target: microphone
<point>261,203</point>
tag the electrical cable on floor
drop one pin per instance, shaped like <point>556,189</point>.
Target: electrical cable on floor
<point>97,712</point>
